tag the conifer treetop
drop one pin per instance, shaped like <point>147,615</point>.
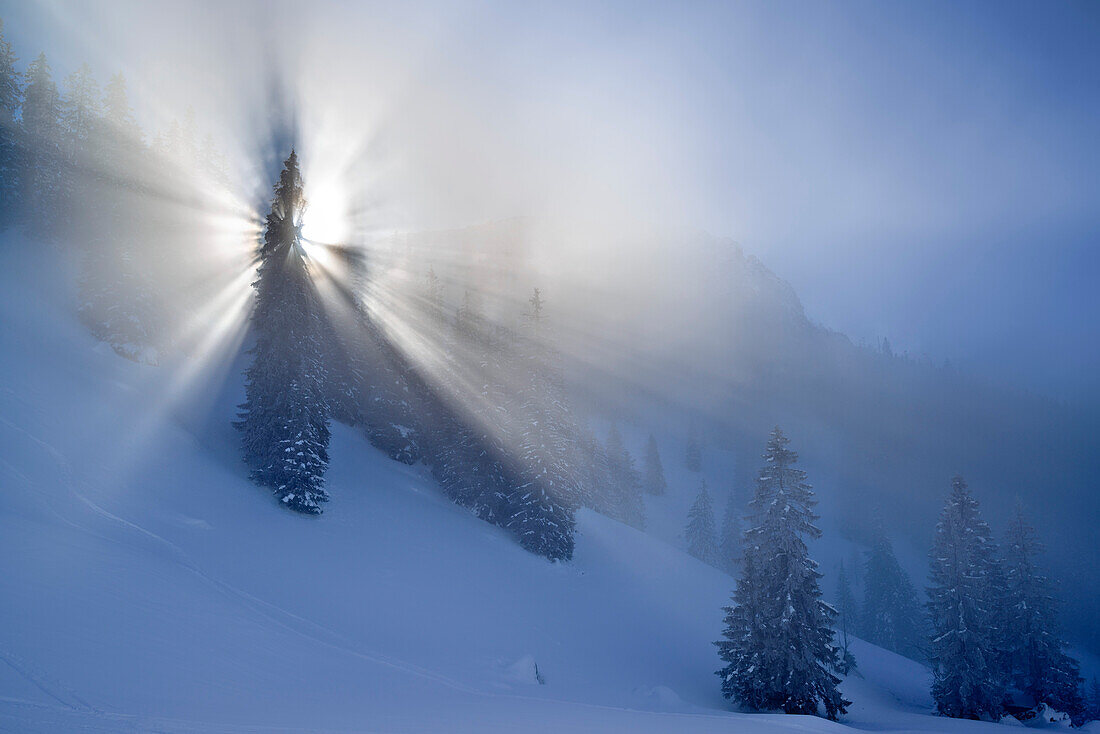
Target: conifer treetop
<point>284,223</point>
<point>10,92</point>
<point>782,489</point>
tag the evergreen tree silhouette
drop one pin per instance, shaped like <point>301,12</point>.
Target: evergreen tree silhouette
<point>284,420</point>
<point>963,597</point>
<point>778,641</point>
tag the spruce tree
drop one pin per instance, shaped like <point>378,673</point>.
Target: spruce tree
<point>543,505</point>
<point>469,437</point>
<point>468,449</point>
<point>654,482</point>
<point>1040,668</point>
<point>344,333</point>
<point>1093,711</point>
<point>729,537</point>
<point>545,501</point>
<point>470,326</point>
<point>80,116</point>
<point>846,621</point>
<point>624,489</point>
<point>470,462</point>
<point>693,452</point>
<point>11,90</point>
<point>400,410</point>
<point>116,302</point>
<point>892,613</point>
<point>508,451</point>
<point>491,472</point>
<point>11,97</point>
<point>40,149</point>
<point>535,316</point>
<point>963,597</point>
<point>433,295</point>
<point>778,641</point>
<point>81,148</point>
<point>591,460</point>
<point>284,420</point>
<point>117,111</point>
<point>702,542</point>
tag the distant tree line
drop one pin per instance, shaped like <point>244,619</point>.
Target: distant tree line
<point>76,170</point>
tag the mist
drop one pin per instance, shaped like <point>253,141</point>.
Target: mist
<point>871,224</point>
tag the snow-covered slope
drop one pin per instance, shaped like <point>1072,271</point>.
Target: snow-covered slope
<point>148,586</point>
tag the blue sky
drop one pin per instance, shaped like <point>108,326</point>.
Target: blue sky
<point>922,171</point>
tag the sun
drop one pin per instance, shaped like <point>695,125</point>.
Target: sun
<point>326,218</point>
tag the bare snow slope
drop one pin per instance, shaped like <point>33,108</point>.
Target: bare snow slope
<point>148,586</point>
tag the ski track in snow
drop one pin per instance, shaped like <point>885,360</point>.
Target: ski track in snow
<point>49,685</point>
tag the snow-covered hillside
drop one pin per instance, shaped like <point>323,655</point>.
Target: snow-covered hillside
<point>147,585</point>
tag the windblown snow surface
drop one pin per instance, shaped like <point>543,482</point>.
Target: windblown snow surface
<point>147,585</point>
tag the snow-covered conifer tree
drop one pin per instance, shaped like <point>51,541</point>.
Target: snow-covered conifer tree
<point>80,115</point>
<point>345,331</point>
<point>590,458</point>
<point>543,505</point>
<point>400,411</point>
<point>1040,668</point>
<point>469,440</point>
<point>509,454</point>
<point>624,490</point>
<point>284,420</point>
<point>11,97</point>
<point>729,536</point>
<point>469,322</point>
<point>693,451</point>
<point>117,110</point>
<point>845,621</point>
<point>491,470</point>
<point>471,465</point>
<point>116,302</point>
<point>1093,711</point>
<point>963,599</point>
<point>40,149</point>
<point>81,149</point>
<point>433,296</point>
<point>892,613</point>
<point>654,481</point>
<point>778,640</point>
<point>699,532</point>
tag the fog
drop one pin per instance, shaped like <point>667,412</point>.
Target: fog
<point>900,166</point>
<point>661,173</point>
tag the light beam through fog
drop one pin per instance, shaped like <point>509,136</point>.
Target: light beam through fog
<point>568,268</point>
